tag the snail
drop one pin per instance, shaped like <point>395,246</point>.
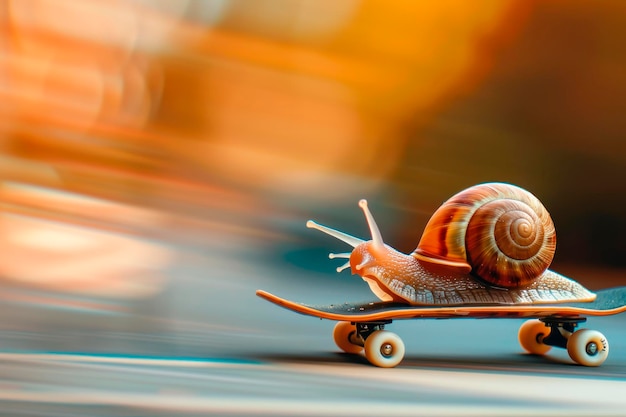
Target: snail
<point>489,244</point>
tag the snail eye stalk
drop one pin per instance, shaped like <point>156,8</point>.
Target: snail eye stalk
<point>377,238</point>
<point>344,237</point>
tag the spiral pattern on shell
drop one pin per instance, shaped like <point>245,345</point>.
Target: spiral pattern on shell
<point>501,232</point>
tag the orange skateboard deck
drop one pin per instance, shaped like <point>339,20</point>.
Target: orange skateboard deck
<point>608,302</point>
<point>361,325</point>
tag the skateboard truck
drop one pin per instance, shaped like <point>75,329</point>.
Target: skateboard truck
<point>560,330</point>
<point>364,330</point>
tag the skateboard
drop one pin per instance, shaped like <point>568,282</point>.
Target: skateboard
<point>361,326</point>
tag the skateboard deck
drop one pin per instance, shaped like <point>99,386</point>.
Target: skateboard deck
<point>608,302</point>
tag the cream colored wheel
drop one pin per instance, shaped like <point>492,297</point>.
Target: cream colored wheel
<point>384,349</point>
<point>588,347</point>
<point>345,335</point>
<point>530,336</point>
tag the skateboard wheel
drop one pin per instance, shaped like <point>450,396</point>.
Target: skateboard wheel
<point>384,349</point>
<point>588,347</point>
<point>344,335</point>
<point>530,334</point>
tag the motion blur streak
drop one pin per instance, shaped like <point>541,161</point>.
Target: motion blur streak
<point>282,389</point>
<point>121,120</point>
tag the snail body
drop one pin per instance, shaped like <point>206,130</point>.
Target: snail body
<point>489,244</point>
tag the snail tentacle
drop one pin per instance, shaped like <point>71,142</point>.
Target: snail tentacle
<point>344,237</point>
<point>377,238</point>
<point>342,267</point>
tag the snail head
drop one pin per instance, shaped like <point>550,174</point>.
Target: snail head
<point>367,256</point>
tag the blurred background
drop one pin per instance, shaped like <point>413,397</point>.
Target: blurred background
<point>159,159</point>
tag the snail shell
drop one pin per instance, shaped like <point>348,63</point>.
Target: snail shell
<point>499,232</point>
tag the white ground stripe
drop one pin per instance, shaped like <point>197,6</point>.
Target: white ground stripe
<point>178,362</point>
<point>598,394</point>
<point>490,391</point>
<point>255,407</point>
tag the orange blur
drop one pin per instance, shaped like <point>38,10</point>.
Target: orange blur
<point>120,120</point>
